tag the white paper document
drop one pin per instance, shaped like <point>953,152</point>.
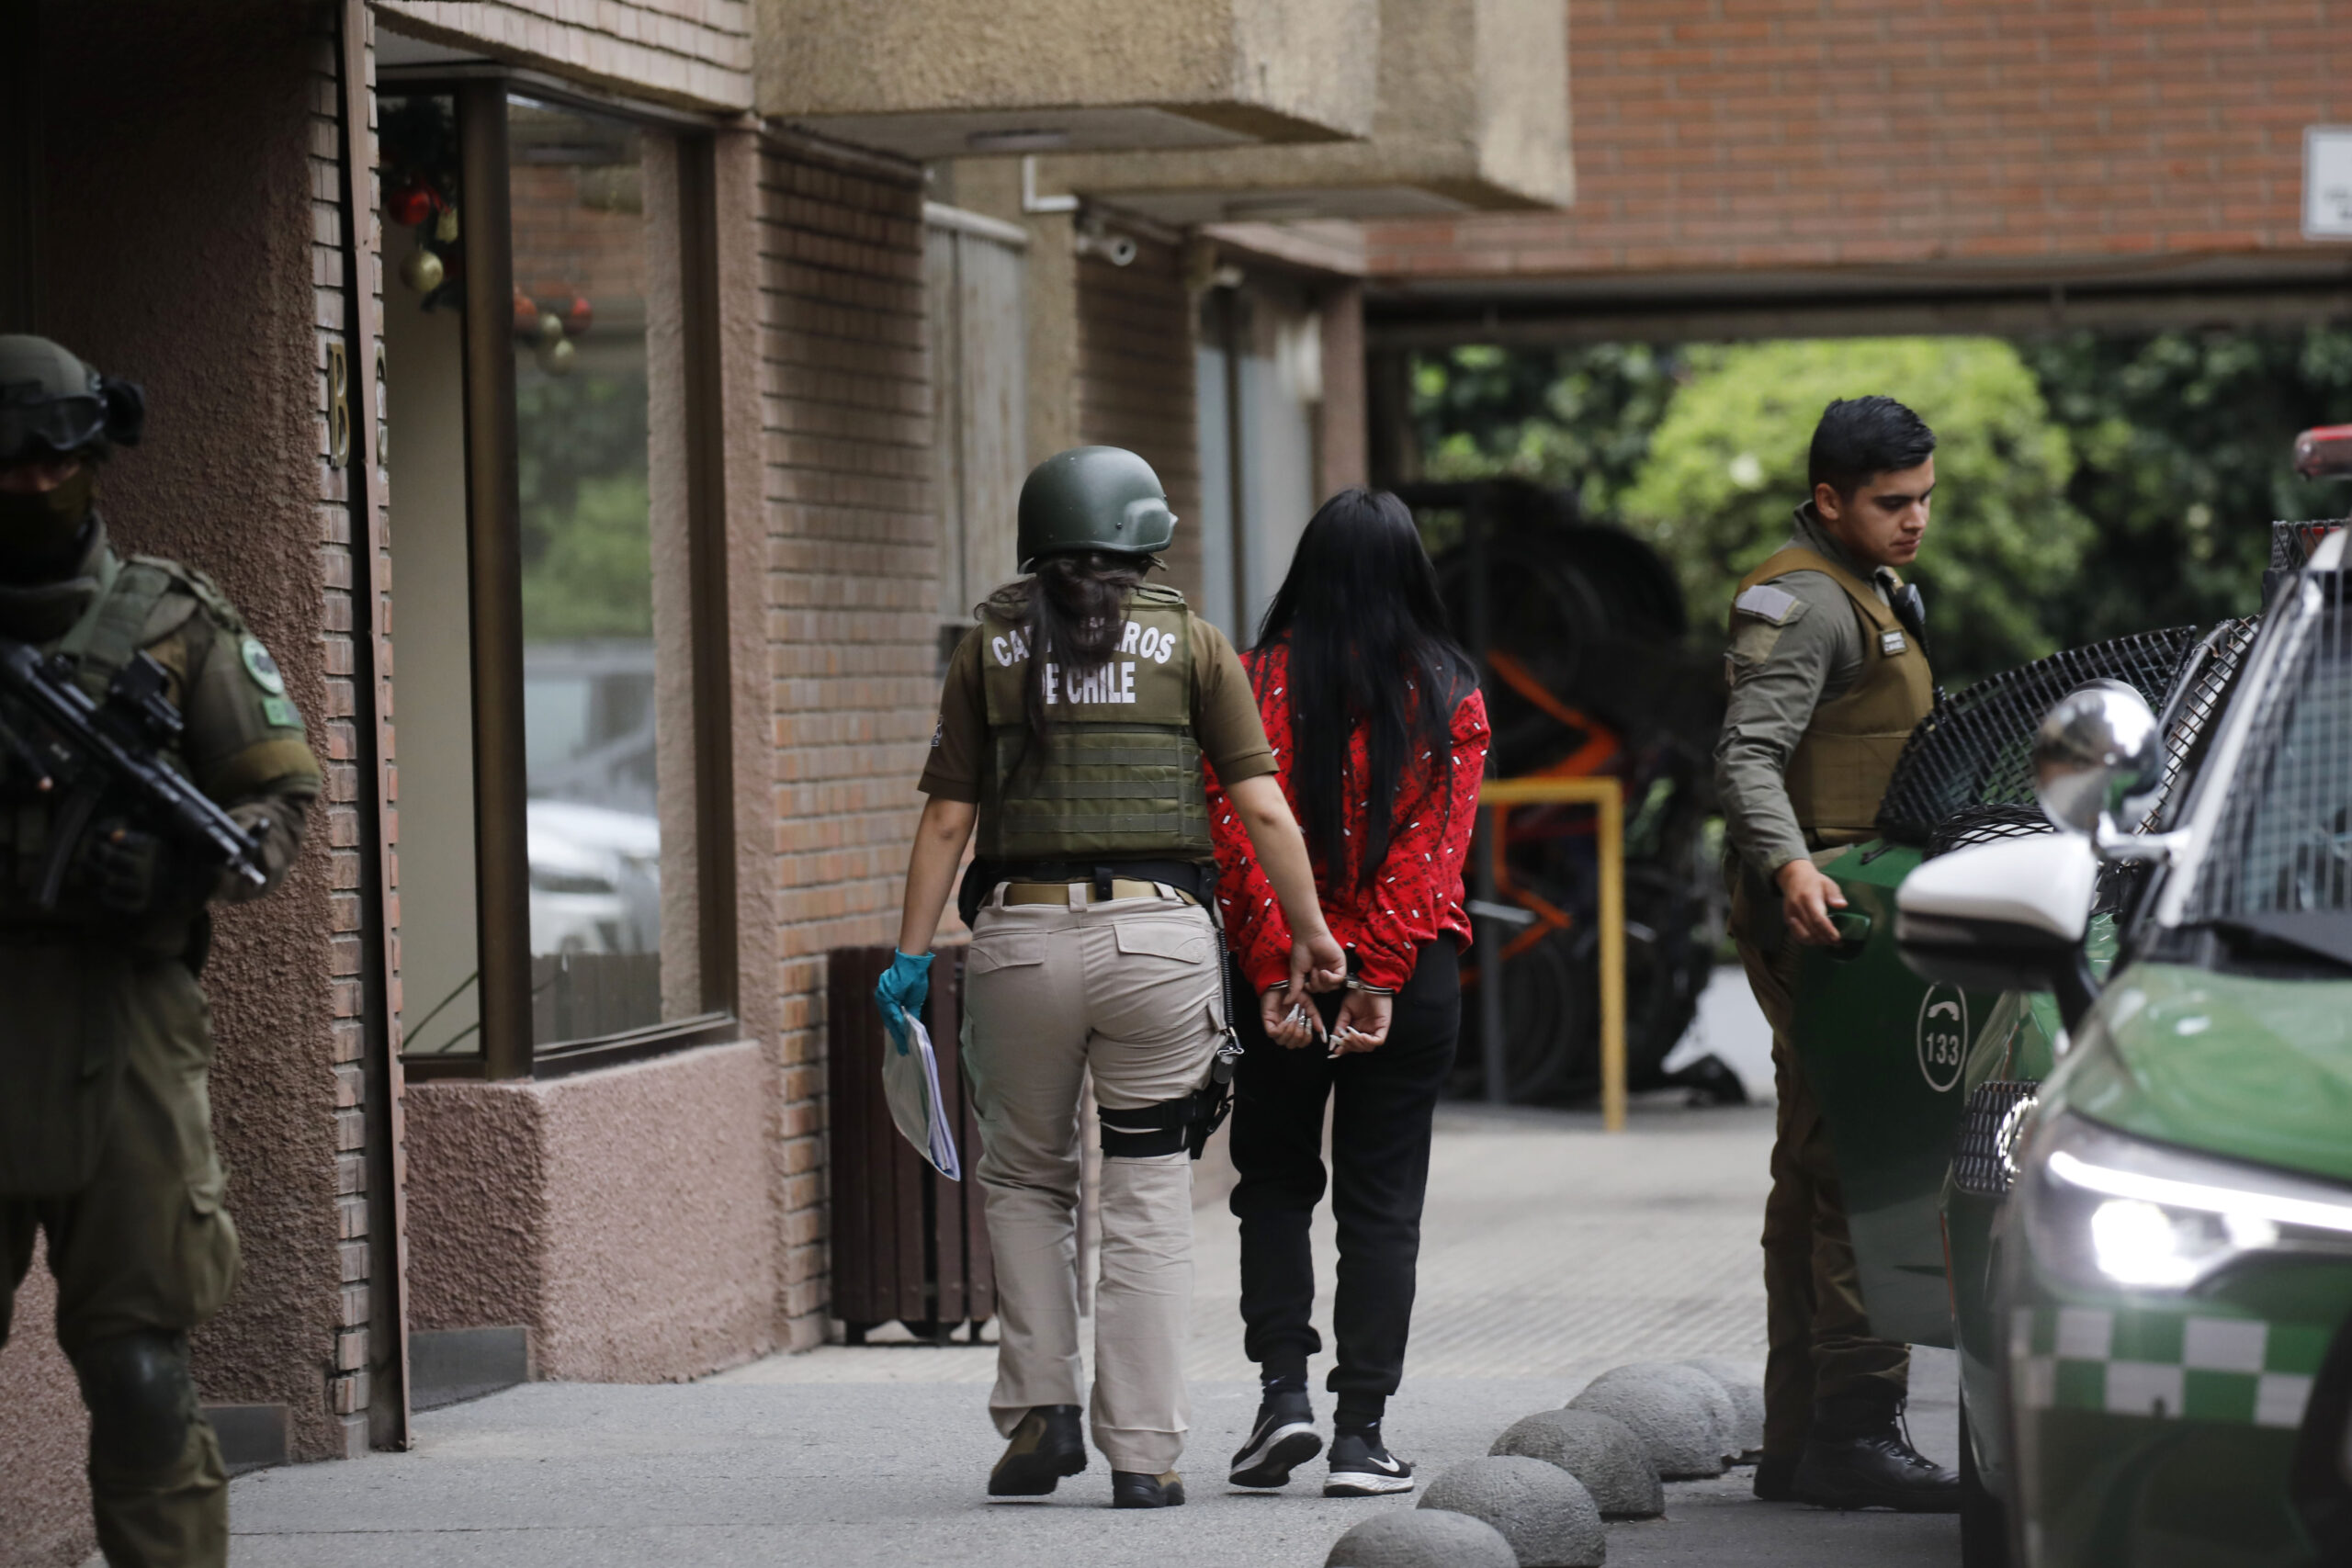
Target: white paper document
<point>910,1083</point>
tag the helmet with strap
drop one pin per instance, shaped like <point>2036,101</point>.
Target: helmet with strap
<point>52,405</point>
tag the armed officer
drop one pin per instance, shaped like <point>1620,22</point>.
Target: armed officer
<point>1071,728</point>
<point>1828,675</point>
<point>105,1136</point>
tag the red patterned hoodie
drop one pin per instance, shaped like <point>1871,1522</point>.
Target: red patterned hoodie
<point>1418,892</point>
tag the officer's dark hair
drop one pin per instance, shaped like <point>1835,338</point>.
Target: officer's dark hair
<point>1860,438</point>
<point>1071,608</point>
<point>1369,645</point>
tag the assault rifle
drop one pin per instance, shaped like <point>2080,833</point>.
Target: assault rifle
<point>90,751</point>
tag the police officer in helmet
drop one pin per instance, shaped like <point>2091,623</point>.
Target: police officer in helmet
<point>1072,729</point>
<point>105,1136</point>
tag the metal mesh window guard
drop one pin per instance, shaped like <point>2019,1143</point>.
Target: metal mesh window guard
<point>2284,845</point>
<point>1975,748</point>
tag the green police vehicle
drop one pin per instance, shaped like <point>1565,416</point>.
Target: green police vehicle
<point>2140,1242</point>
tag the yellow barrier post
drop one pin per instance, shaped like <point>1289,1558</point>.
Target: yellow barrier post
<point>1609,833</point>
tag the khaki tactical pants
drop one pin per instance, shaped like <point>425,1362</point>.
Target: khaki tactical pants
<point>143,1244</point>
<point>1130,990</point>
<point>1824,1373</point>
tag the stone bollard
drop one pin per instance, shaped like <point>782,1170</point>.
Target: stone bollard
<point>1421,1538</point>
<point>1597,1449</point>
<point>1542,1511</point>
<point>1744,1383</point>
<point>1682,1417</point>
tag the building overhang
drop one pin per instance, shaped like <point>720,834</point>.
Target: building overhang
<point>1473,115</point>
<point>931,79</point>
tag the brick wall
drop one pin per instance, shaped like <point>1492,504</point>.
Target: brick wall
<point>687,51</point>
<point>852,605</point>
<point>1135,380</point>
<point>1716,134</point>
<point>342,534</point>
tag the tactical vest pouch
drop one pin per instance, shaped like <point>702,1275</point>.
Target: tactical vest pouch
<point>62,1052</point>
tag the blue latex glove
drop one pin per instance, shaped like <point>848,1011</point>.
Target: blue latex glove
<point>901,991</point>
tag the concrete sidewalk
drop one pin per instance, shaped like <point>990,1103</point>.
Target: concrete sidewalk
<point>1552,1252</point>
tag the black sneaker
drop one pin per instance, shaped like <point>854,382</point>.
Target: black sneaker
<point>1132,1489</point>
<point>1049,1444</point>
<point>1363,1467</point>
<point>1881,1471</point>
<point>1282,1439</point>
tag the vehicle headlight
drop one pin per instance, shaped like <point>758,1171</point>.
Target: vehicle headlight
<point>2102,1209</point>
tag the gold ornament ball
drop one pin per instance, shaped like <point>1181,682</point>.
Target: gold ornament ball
<point>556,357</point>
<point>423,271</point>
<point>446,227</point>
<point>550,328</point>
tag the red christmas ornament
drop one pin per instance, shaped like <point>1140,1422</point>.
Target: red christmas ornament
<point>409,204</point>
<point>578,316</point>
<point>527,316</point>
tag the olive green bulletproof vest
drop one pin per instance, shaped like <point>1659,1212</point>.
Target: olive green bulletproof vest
<point>100,643</point>
<point>1840,769</point>
<point>1122,778</point>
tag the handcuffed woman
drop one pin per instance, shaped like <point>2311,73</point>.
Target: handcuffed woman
<point>1381,736</point>
<point>1072,727</point>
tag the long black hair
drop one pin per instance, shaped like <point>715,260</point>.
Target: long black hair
<point>1070,610</point>
<point>1369,645</point>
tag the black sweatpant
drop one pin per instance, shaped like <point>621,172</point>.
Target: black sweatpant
<point>1383,1102</point>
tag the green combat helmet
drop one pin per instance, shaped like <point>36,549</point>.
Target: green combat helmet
<point>1093,498</point>
<point>52,405</point>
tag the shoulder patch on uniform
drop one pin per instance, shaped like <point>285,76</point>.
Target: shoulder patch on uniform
<point>206,591</point>
<point>262,667</point>
<point>1767,602</point>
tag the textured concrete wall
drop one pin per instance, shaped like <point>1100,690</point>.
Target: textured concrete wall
<point>1280,68</point>
<point>200,273</point>
<point>1472,107</point>
<point>1734,134</point>
<point>44,1501</point>
<point>693,53</point>
<point>624,1217</point>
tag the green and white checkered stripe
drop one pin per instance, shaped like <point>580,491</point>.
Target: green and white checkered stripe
<point>2164,1365</point>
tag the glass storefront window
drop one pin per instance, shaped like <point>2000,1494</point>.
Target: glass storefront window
<point>582,253</point>
<point>596,605</point>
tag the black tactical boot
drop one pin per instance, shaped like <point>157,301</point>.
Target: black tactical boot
<point>1878,1471</point>
<point>1282,1439</point>
<point>1132,1489</point>
<point>1775,1477</point>
<point>1048,1445</point>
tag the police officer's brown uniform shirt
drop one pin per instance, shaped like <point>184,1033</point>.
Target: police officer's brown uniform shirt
<point>1224,718</point>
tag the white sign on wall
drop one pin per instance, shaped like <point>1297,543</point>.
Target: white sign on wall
<point>2328,181</point>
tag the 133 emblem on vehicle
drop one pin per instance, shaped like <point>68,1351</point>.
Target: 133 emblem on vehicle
<point>1943,1035</point>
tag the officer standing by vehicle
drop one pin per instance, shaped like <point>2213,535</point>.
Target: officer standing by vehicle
<point>1071,728</point>
<point>1828,676</point>
<point>106,1135</point>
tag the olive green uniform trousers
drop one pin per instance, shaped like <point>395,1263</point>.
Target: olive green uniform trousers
<point>1825,1374</point>
<point>142,1243</point>
<point>1130,991</point>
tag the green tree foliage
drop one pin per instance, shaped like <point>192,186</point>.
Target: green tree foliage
<point>586,514</point>
<point>1727,465</point>
<point>2184,440</point>
<point>1574,419</point>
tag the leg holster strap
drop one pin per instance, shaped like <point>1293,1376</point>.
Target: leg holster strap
<point>1146,1131</point>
